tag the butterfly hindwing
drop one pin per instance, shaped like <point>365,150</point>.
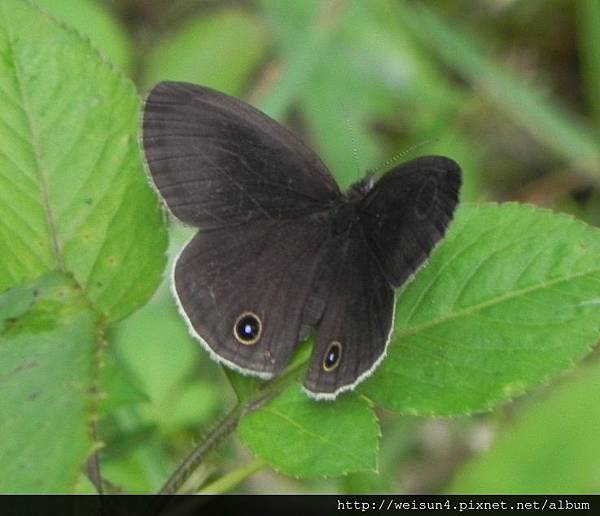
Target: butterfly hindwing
<point>356,323</point>
<point>238,275</point>
<point>219,162</point>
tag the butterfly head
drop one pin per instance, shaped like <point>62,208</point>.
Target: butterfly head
<point>362,187</point>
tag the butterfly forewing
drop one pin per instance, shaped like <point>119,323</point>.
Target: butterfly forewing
<point>219,162</point>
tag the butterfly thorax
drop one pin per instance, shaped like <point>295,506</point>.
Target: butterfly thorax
<point>343,217</point>
<point>345,213</point>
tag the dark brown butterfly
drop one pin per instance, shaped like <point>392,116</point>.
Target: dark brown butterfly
<point>281,249</point>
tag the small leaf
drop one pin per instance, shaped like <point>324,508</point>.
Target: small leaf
<point>220,51</point>
<point>508,300</point>
<point>247,386</point>
<point>304,438</point>
<point>46,355</point>
<point>551,447</point>
<point>73,193</point>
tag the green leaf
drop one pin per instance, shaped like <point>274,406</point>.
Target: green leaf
<point>135,458</point>
<point>47,342</point>
<point>119,385</point>
<point>301,437</point>
<point>246,387</point>
<point>95,22</point>
<point>552,446</point>
<point>511,298</point>
<point>158,333</point>
<point>73,193</point>
<point>220,51</point>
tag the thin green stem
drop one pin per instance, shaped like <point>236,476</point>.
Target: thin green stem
<point>93,470</point>
<point>228,482</point>
<point>226,426</point>
<point>265,393</point>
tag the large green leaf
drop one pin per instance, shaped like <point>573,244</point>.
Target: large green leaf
<point>48,336</point>
<point>552,445</point>
<point>73,194</point>
<point>301,437</point>
<point>221,51</point>
<point>508,300</point>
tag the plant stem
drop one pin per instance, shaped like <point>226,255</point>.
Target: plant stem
<point>228,424</point>
<point>189,464</point>
<point>232,479</point>
<point>93,463</point>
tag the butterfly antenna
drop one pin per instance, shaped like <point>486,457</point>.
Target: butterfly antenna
<point>350,128</point>
<point>396,157</point>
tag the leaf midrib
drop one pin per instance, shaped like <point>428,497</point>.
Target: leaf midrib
<point>411,331</point>
<point>37,156</point>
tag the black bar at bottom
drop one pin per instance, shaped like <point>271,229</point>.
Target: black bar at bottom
<point>287,505</point>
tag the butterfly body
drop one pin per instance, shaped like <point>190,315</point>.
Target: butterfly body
<point>281,250</point>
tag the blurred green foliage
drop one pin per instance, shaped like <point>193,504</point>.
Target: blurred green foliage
<point>550,447</point>
<point>509,89</point>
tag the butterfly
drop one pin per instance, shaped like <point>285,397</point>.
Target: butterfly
<point>281,251</point>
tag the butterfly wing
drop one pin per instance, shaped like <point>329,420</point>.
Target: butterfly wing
<point>356,323</point>
<point>219,162</point>
<point>400,221</point>
<point>407,213</point>
<point>258,274</point>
